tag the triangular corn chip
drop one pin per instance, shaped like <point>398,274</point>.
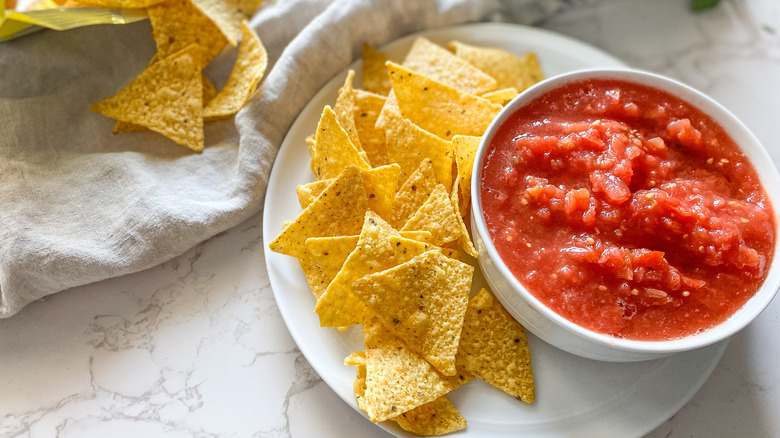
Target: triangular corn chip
<point>338,211</point>
<point>345,110</point>
<point>438,216</point>
<point>330,253</point>
<point>464,240</point>
<point>438,108</point>
<point>465,151</point>
<point>249,68</point>
<point>366,112</point>
<point>502,96</point>
<point>436,62</point>
<point>438,417</point>
<point>510,71</point>
<point>494,347</point>
<point>167,97</point>
<point>422,301</point>
<point>408,145</point>
<point>225,15</point>
<point>178,23</point>
<point>333,151</point>
<point>413,193</point>
<point>375,77</point>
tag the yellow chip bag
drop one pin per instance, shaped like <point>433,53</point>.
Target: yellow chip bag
<point>437,108</point>
<point>338,211</point>
<point>422,301</point>
<point>408,145</point>
<point>395,375</point>
<point>249,68</point>
<point>436,62</point>
<point>509,70</point>
<point>167,97</point>
<point>438,216</point>
<point>375,77</point>
<point>494,347</point>
<point>333,151</point>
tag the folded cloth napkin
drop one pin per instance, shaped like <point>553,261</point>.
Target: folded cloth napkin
<point>79,204</point>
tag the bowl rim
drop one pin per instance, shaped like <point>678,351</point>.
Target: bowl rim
<point>748,143</point>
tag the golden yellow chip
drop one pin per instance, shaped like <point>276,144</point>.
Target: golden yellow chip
<point>249,68</point>
<point>509,70</point>
<point>338,306</point>
<point>397,379</point>
<point>502,96</point>
<point>494,347</point>
<point>375,77</point>
<point>359,385</point>
<point>345,110</point>
<point>436,62</point>
<point>367,108</point>
<point>465,151</point>
<point>178,23</point>
<point>167,97</point>
<point>119,4</point>
<point>408,145</point>
<point>438,417</point>
<point>315,275</point>
<point>413,193</point>
<point>437,108</point>
<point>333,151</point>
<point>437,215</point>
<point>420,236</point>
<point>330,253</point>
<point>464,240</point>
<point>355,358</point>
<point>422,301</point>
<point>226,16</point>
<point>248,7</point>
<point>338,211</point>
<point>380,184</point>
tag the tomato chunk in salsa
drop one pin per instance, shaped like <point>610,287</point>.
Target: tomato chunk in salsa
<point>627,211</point>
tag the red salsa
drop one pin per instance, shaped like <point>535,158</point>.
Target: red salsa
<point>627,211</point>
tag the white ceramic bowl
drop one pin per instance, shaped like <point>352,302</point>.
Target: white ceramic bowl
<point>562,333</point>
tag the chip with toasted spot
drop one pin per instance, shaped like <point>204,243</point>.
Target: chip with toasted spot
<point>465,151</point>
<point>502,96</point>
<point>338,211</point>
<point>438,108</point>
<point>249,68</point>
<point>436,62</point>
<point>438,417</point>
<point>408,145</point>
<point>395,375</point>
<point>414,192</point>
<point>366,112</point>
<point>338,306</point>
<point>375,77</point>
<point>509,70</point>
<point>167,97</point>
<point>178,23</point>
<point>333,151</point>
<point>437,215</point>
<point>315,276</point>
<point>422,301</point>
<point>330,253</point>
<point>494,347</point>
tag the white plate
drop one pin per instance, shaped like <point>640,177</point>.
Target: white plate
<point>574,396</point>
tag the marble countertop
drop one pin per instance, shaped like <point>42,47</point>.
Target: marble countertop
<point>196,347</point>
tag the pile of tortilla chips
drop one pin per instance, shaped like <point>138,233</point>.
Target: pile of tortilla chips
<point>383,239</point>
<point>172,96</point>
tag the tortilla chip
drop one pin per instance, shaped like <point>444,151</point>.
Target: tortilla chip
<point>167,97</point>
<point>464,240</point>
<point>414,192</point>
<point>178,23</point>
<point>330,253</point>
<point>315,276</point>
<point>333,151</point>
<point>509,70</point>
<point>422,301</point>
<point>338,211</point>
<point>366,112</point>
<point>438,417</point>
<point>494,347</point>
<point>436,62</point>
<point>225,15</point>
<point>120,4</point>
<point>359,385</point>
<point>345,110</point>
<point>375,77</point>
<point>249,68</point>
<point>437,108</point>
<point>420,236</point>
<point>397,379</point>
<point>465,151</point>
<point>408,145</point>
<point>502,96</point>
<point>355,358</point>
<point>437,215</point>
<point>380,183</point>
<point>248,7</point>
<point>338,306</point>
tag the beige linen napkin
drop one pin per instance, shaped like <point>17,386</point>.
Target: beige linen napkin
<point>79,204</point>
